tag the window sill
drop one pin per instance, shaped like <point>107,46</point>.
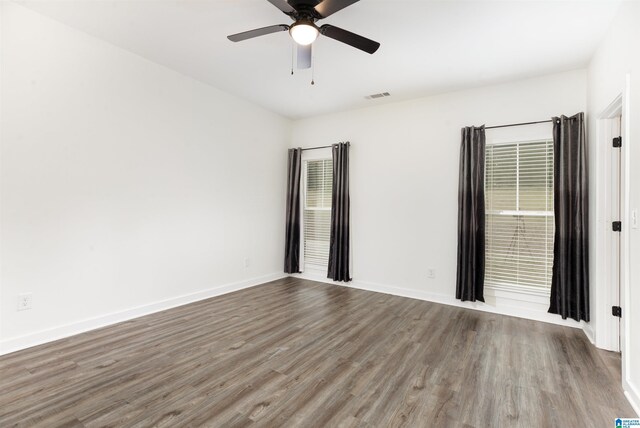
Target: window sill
<point>530,291</point>
<point>317,269</point>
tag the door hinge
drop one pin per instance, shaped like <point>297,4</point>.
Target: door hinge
<point>617,226</point>
<point>617,142</point>
<point>616,311</point>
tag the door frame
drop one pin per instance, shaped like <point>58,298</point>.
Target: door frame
<point>606,332</point>
<point>608,329</point>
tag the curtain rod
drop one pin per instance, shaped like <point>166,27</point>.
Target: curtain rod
<point>324,147</point>
<point>518,124</point>
<point>316,148</point>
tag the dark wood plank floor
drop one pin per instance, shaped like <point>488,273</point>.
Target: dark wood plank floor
<point>300,353</point>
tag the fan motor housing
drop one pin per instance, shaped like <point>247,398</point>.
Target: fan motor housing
<point>297,4</point>
<point>305,9</point>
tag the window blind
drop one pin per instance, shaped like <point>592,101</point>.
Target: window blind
<point>317,211</point>
<point>519,214</point>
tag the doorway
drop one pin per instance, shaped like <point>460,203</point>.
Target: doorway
<point>610,228</point>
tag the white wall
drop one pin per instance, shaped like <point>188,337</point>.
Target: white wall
<point>125,186</point>
<point>404,180</point>
<point>618,59</point>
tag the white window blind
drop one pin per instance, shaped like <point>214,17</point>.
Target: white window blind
<point>317,211</point>
<point>519,215</point>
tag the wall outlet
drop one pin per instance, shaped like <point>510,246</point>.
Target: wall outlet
<point>247,262</point>
<point>431,273</point>
<point>25,301</point>
<point>634,219</point>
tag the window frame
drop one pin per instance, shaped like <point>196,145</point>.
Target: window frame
<point>504,286</point>
<point>307,156</point>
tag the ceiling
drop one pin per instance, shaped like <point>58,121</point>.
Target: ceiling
<point>428,47</point>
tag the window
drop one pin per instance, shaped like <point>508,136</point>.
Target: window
<point>317,211</point>
<point>519,215</point>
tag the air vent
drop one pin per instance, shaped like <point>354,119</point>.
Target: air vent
<point>376,96</point>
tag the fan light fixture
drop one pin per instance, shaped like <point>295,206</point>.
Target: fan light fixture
<point>304,32</point>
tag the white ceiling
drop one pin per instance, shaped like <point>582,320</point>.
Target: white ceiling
<point>427,47</point>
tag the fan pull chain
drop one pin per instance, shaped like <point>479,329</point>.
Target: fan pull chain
<point>313,66</point>
<point>293,51</point>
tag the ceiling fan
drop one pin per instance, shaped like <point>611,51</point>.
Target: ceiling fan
<point>304,30</point>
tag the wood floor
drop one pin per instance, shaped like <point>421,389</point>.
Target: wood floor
<point>304,354</point>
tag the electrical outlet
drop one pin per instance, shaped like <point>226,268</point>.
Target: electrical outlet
<point>431,273</point>
<point>247,262</point>
<point>25,301</point>
<point>634,219</point>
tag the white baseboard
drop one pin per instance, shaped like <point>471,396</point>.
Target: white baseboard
<point>506,303</point>
<point>633,395</point>
<point>59,332</point>
<point>588,331</point>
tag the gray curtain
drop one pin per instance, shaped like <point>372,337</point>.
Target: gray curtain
<point>292,232</point>
<point>470,272</point>
<point>570,280</point>
<point>339,244</point>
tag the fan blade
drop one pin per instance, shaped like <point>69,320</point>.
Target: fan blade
<point>304,56</point>
<point>282,5</point>
<point>257,32</point>
<point>329,7</point>
<point>349,38</point>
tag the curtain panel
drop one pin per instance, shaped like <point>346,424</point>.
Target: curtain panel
<point>292,227</point>
<point>471,220</point>
<point>570,280</point>
<point>340,238</point>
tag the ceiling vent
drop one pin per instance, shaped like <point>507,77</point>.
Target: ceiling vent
<point>376,96</point>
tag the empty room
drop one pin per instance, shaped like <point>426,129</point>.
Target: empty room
<point>319,213</point>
